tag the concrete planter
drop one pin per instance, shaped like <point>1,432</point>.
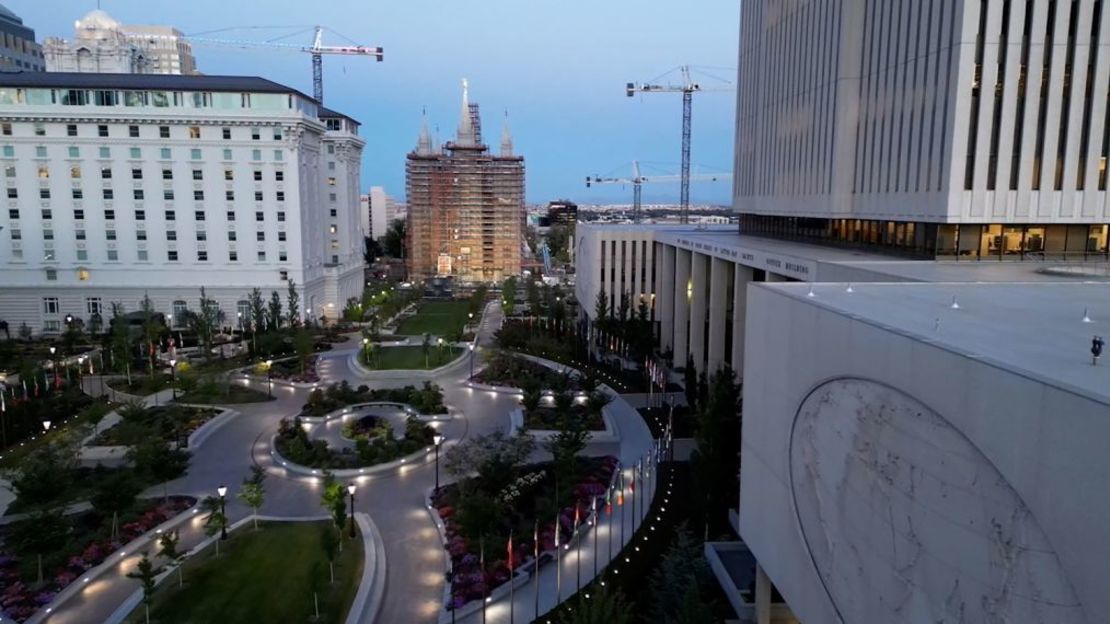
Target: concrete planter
<point>422,456</point>
<point>115,456</point>
<point>610,434</point>
<point>399,373</point>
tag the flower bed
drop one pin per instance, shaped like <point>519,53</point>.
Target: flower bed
<point>172,423</point>
<point>87,546</point>
<point>547,418</point>
<point>507,370</point>
<point>290,370</point>
<point>428,399</point>
<point>293,444</point>
<point>514,511</point>
<point>368,427</point>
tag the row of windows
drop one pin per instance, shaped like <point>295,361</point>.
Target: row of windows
<point>137,173</point>
<point>140,235</point>
<point>140,215</point>
<point>142,255</point>
<point>136,153</point>
<point>156,99</point>
<point>135,132</point>
<point>140,194</point>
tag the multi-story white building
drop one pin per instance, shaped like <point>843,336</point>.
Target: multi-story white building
<point>18,49</point>
<point>380,210</point>
<point>124,185</point>
<point>103,45</point>
<point>935,129</point>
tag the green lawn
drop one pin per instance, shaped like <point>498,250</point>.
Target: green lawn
<point>410,357</point>
<point>268,575</point>
<point>83,420</point>
<point>221,394</point>
<point>438,318</point>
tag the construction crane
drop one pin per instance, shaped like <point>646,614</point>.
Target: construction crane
<point>638,180</point>
<point>317,49</point>
<point>686,87</point>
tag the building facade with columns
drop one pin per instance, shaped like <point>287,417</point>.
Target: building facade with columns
<point>119,186</point>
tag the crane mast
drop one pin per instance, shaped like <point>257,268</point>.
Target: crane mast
<point>638,180</point>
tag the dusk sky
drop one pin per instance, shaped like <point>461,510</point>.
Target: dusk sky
<point>558,68</point>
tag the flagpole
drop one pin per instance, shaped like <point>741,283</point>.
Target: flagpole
<point>558,563</point>
<point>536,548</point>
<point>609,512</point>
<point>511,584</point>
<point>577,550</point>
<point>482,566</point>
<point>595,529</point>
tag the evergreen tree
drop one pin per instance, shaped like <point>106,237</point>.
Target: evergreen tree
<point>293,304</point>
<point>273,315</point>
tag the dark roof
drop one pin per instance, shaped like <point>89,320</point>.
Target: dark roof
<point>168,82</point>
<point>324,112</point>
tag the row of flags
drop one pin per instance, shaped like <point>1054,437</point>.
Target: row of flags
<point>25,391</point>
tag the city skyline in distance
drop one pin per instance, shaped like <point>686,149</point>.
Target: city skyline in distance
<point>558,71</point>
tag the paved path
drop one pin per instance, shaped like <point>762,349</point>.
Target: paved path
<point>394,500</point>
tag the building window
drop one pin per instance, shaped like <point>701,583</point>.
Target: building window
<point>140,215</point>
<point>194,154</point>
<point>202,235</point>
<point>13,213</point>
<point>277,134</point>
<point>6,129</point>
<point>258,196</point>
<point>52,276</point>
<point>171,255</point>
<point>283,275</point>
<point>9,171</point>
<point>13,193</point>
<point>79,234</point>
<point>44,172</point>
<point>331,165</point>
<point>233,256</point>
<point>71,129</point>
<point>79,214</point>
<point>74,172</point>
<point>9,151</point>
<point>229,195</point>
<point>142,254</point>
<point>167,194</point>
<point>331,181</point>
<point>133,132</point>
<point>113,255</point>
<point>281,196</point>
<point>47,214</point>
<point>48,234</point>
<point>102,131</point>
<point>260,236</point>
<point>229,174</point>
<point>136,153</point>
<point>44,193</point>
<point>198,195</point>
<point>262,256</point>
<point>279,175</point>
<point>256,134</point>
<point>140,235</point>
<point>166,154</point>
<point>194,132</point>
<point>227,133</point>
<point>137,194</point>
<point>136,174</point>
<point>199,215</point>
<point>281,217</point>
<point>231,235</point>
<point>16,234</point>
<point>230,215</point>
<point>257,175</point>
<point>281,236</point>
<point>171,235</point>
<point>77,193</point>
<point>332,197</point>
<point>105,173</point>
<point>110,214</point>
<point>107,193</point>
<point>40,151</point>
<point>93,305</point>
<point>278,155</point>
<point>110,234</point>
<point>82,254</point>
<point>167,174</point>
<point>105,152</point>
<point>256,155</point>
<point>198,174</point>
<point>171,215</point>
<point>74,152</point>
<point>227,154</point>
<point>333,212</point>
<point>164,132</point>
<point>202,255</point>
<point>258,216</point>
<point>50,304</point>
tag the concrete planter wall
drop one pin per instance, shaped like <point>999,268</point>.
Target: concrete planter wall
<point>340,413</point>
<point>610,434</point>
<point>416,374</point>
<point>422,456</point>
<point>115,456</point>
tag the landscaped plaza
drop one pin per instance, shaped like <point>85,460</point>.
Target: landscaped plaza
<point>303,473</point>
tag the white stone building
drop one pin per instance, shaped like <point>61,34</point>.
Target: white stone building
<point>103,45</point>
<point>120,185</point>
<point>379,209</point>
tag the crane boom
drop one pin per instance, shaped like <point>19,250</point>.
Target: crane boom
<point>637,181</point>
<point>317,49</point>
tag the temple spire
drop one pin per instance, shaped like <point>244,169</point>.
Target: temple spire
<point>506,137</point>
<point>424,143</point>
<point>466,127</point>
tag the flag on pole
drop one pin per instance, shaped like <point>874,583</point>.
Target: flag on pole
<point>510,554</point>
<point>576,517</point>
<point>557,523</point>
<point>24,382</point>
<point>536,543</point>
<point>3,405</point>
<point>36,387</point>
<point>609,500</point>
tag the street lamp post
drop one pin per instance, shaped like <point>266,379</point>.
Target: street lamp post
<point>439,343</point>
<point>54,365</point>
<point>173,379</point>
<point>469,319</point>
<point>351,490</point>
<point>472,359</point>
<point>46,426</point>
<point>437,439</point>
<point>80,367</point>
<point>269,379</point>
<point>222,491</point>
<point>366,350</point>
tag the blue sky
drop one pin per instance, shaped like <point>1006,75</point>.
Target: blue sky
<point>558,67</point>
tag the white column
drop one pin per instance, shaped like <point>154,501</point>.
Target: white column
<point>762,596</point>
<point>699,269</point>
<point>718,309</point>
<point>681,305</point>
<point>742,277</point>
<point>665,298</point>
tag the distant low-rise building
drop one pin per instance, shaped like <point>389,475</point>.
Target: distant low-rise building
<point>18,49</point>
<point>103,45</point>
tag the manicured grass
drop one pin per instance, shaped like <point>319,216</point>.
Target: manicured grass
<point>224,395</point>
<point>267,575</point>
<point>12,456</point>
<point>141,385</point>
<point>410,357</point>
<point>438,318</point>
